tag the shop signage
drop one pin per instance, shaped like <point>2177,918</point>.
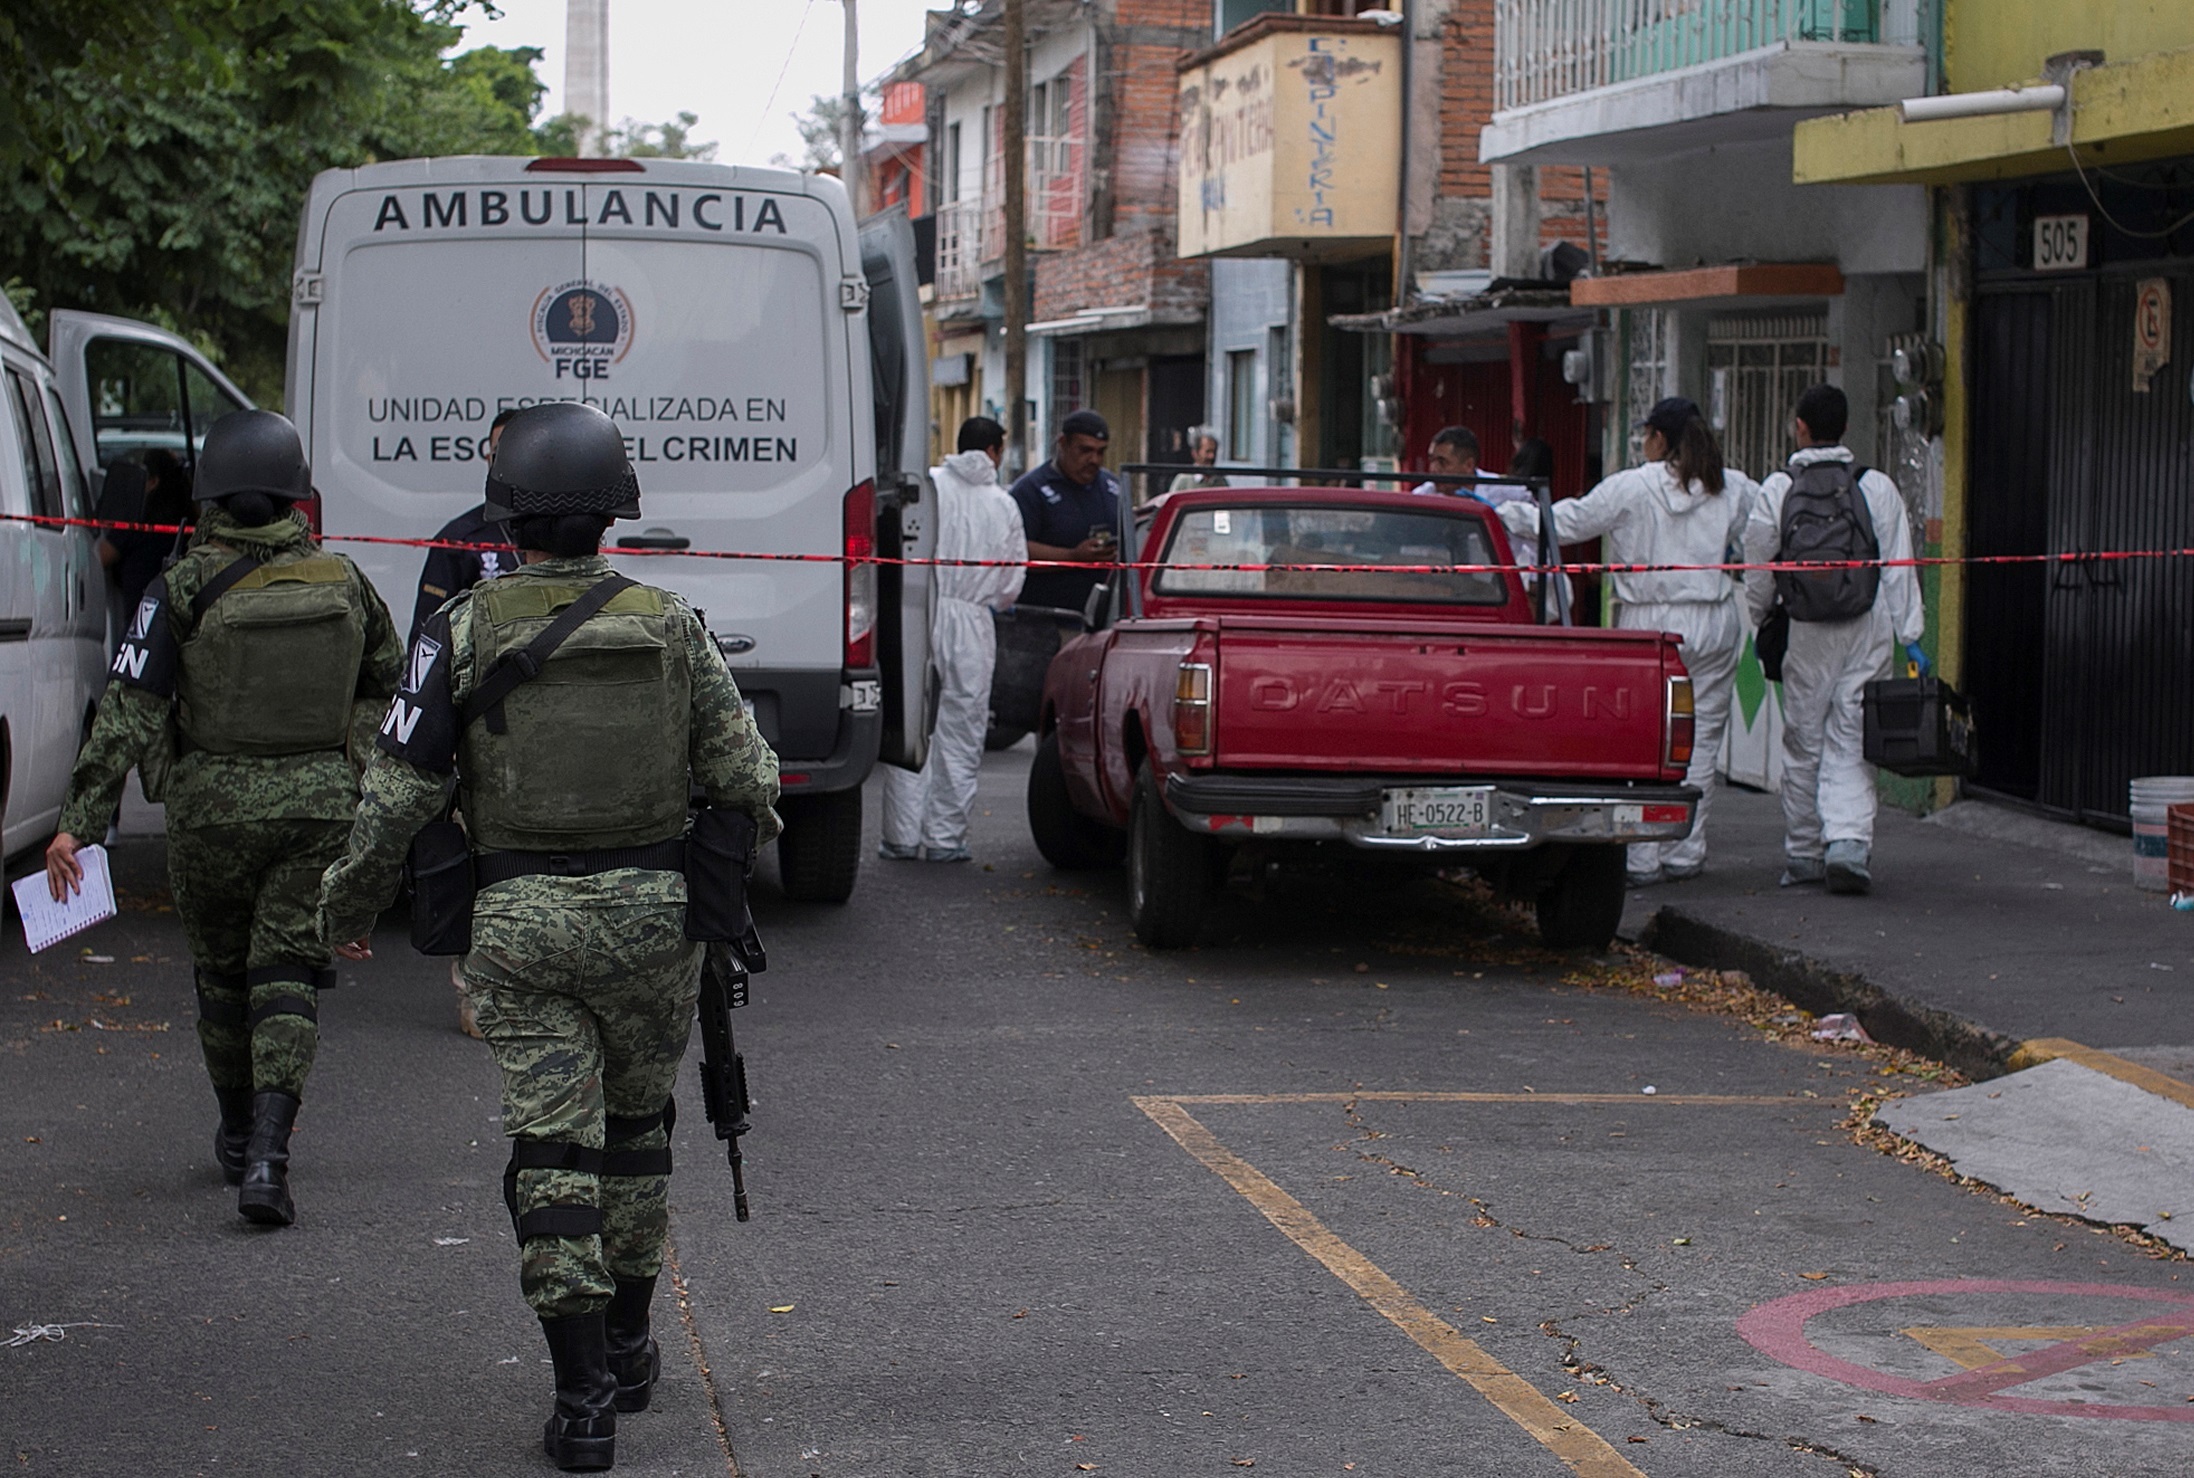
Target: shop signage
<point>2151,330</point>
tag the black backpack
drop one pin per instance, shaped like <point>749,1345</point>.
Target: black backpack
<point>1825,519</point>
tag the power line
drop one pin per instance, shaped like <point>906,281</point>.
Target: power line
<point>782,72</point>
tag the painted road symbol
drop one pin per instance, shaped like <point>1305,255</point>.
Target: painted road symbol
<point>1909,1349</point>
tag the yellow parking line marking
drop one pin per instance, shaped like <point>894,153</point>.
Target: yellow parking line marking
<point>1693,1100</point>
<point>1576,1444</point>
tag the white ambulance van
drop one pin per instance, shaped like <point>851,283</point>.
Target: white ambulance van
<point>765,360</point>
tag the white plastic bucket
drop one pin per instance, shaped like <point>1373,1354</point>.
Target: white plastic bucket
<point>2153,798</point>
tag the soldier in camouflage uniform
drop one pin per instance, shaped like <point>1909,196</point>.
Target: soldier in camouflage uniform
<point>269,659</point>
<point>574,781</point>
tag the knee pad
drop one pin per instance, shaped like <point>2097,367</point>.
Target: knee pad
<point>565,1219</point>
<point>286,1003</point>
<point>639,1162</point>
<point>213,1009</point>
<point>632,1163</point>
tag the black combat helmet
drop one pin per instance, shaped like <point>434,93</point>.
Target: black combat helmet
<point>252,452</point>
<point>561,457</point>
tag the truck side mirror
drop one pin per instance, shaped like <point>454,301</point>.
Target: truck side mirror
<point>1094,606</point>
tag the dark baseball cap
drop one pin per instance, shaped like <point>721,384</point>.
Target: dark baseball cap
<point>1086,423</point>
<point>1671,416</point>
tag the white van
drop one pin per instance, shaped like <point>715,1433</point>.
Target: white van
<point>765,361</point>
<point>112,390</point>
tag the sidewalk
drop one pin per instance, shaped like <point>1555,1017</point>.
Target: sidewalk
<point>2014,948</point>
<point>1986,928</point>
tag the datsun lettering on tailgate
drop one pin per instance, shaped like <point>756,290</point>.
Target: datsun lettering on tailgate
<point>1235,699</point>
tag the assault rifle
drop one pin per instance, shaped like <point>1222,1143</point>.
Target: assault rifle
<point>723,1071</point>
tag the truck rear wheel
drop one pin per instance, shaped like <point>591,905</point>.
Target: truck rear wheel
<point>819,855</point>
<point>1171,871</point>
<point>1069,840</point>
<point>1581,908</point>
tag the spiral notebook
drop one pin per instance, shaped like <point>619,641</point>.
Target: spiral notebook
<point>47,923</point>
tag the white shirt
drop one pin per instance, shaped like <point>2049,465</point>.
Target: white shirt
<point>976,520</point>
<point>1649,518</point>
<point>1900,588</point>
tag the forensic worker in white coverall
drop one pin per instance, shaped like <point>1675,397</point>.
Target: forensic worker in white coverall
<point>926,813</point>
<point>1828,787</point>
<point>1682,507</point>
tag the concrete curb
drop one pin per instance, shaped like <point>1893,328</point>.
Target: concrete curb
<point>1973,1049</point>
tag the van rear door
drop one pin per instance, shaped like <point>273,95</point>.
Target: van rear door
<point>906,503</point>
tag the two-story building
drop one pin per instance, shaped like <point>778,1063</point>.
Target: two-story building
<point>2060,339</point>
<point>1330,151</point>
<point>1116,317</point>
<point>1721,278</point>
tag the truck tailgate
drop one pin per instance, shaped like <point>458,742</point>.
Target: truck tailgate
<point>1411,697</point>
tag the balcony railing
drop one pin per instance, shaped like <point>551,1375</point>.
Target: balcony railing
<point>1545,49</point>
<point>971,234</point>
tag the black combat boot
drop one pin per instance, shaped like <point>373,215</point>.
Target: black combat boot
<point>633,1357</point>
<point>265,1196</point>
<point>233,1134</point>
<point>581,1436</point>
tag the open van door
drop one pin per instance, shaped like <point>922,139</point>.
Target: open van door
<point>906,503</point>
<point>127,388</point>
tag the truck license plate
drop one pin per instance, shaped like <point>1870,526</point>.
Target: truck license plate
<point>1441,811</point>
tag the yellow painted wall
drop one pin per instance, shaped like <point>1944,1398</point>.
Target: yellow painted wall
<point>1291,144</point>
<point>1993,43</point>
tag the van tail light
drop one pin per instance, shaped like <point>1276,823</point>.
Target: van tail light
<point>1680,726</point>
<point>861,576</point>
<point>1192,709</point>
<point>567,165</point>
<point>311,506</point>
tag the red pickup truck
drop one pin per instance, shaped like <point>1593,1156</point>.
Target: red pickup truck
<point>1396,707</point>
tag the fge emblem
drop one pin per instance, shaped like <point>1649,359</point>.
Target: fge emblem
<point>582,328</point>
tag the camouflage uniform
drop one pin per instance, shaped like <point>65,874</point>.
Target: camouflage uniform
<point>585,986</point>
<point>248,835</point>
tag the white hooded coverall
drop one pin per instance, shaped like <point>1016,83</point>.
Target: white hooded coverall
<point>1647,517</point>
<point>975,520</point>
<point>1828,787</point>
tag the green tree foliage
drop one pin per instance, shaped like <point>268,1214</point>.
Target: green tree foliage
<point>672,140</point>
<point>819,128</point>
<point>154,156</point>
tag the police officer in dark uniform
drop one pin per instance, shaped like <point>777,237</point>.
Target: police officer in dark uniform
<point>270,657</point>
<point>448,571</point>
<point>1070,509</point>
<point>576,709</point>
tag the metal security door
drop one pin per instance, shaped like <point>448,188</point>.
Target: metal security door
<point>1757,365</point>
<point>2118,703</point>
<point>2007,513</point>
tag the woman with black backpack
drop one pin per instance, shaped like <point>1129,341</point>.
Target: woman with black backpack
<point>1680,507</point>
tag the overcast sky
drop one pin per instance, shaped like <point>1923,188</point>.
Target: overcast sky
<point>718,58</point>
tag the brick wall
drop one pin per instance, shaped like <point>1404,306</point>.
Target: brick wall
<point>1462,215</point>
<point>1131,267</point>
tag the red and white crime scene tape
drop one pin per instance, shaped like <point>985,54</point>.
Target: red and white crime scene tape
<point>1598,567</point>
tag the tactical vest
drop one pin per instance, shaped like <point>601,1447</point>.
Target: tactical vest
<point>593,752</point>
<point>272,667</point>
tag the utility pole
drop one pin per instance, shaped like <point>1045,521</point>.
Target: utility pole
<point>849,126</point>
<point>1015,149</point>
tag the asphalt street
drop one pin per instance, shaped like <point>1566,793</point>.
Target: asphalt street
<point>1366,1184</point>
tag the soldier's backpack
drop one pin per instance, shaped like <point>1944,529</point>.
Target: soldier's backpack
<point>272,665</point>
<point>1825,520</point>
